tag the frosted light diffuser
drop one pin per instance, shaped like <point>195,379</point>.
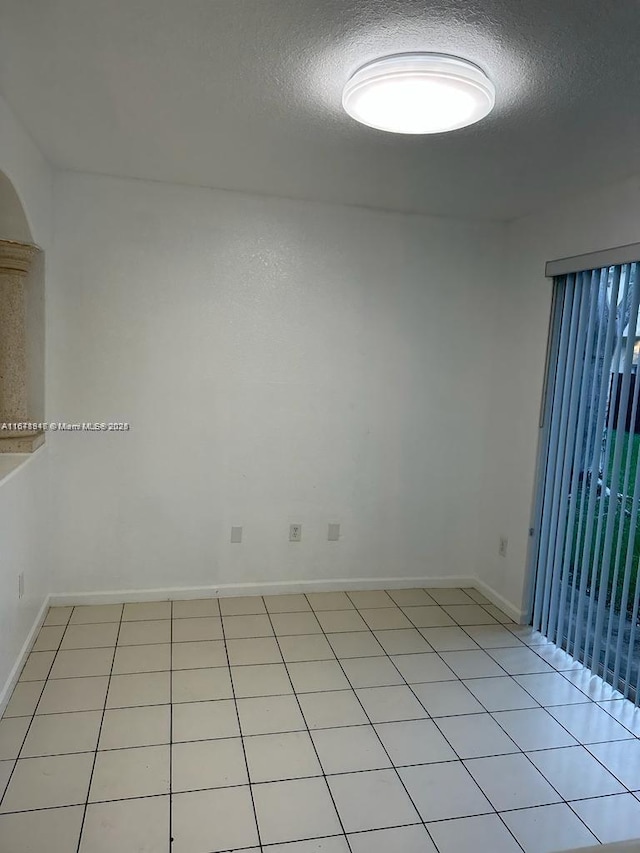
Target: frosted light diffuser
<point>419,93</point>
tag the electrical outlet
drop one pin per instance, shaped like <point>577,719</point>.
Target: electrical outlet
<point>236,535</point>
<point>295,532</point>
<point>502,548</point>
<point>334,533</point>
<point>20,584</point>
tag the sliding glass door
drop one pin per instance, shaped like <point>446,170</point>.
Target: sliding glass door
<point>586,585</point>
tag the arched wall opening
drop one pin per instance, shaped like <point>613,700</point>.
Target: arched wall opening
<point>13,219</point>
<point>22,326</point>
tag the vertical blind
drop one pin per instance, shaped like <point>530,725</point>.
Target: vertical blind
<point>586,595</point>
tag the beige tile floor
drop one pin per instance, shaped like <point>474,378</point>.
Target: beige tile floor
<point>408,720</point>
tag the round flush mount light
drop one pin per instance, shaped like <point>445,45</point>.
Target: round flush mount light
<point>419,93</point>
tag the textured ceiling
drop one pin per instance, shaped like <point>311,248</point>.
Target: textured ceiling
<point>245,94</point>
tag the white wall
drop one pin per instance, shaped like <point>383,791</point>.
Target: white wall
<point>24,494</point>
<point>23,548</point>
<point>279,362</point>
<point>599,220</point>
<point>28,171</point>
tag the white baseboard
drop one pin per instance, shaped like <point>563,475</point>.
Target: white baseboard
<point>516,613</point>
<point>14,675</point>
<point>118,596</point>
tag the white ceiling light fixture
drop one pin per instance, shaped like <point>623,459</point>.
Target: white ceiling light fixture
<point>419,93</point>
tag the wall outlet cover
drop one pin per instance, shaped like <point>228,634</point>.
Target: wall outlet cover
<point>333,533</point>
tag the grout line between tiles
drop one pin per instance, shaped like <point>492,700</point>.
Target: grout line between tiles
<point>577,741</point>
<point>366,713</point>
<point>244,751</point>
<point>33,715</point>
<point>319,776</point>
<point>323,775</point>
<point>597,702</point>
<point>516,751</point>
<point>526,755</point>
<point>95,755</point>
<point>456,753</point>
<point>462,761</point>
